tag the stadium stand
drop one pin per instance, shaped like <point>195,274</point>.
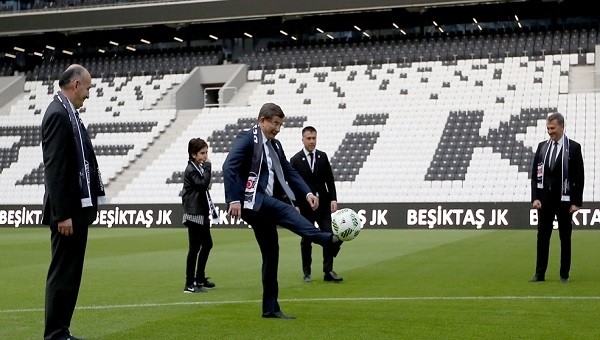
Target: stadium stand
<point>406,50</point>
<point>122,120</point>
<point>134,64</point>
<point>460,135</point>
<point>432,118</point>
<point>6,69</point>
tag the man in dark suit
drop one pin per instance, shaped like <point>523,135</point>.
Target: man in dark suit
<point>261,187</point>
<point>557,178</point>
<point>314,167</point>
<point>73,191</point>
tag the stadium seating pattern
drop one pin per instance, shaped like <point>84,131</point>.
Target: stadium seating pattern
<point>423,128</point>
<point>122,120</point>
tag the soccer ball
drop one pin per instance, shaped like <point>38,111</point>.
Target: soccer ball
<point>345,223</point>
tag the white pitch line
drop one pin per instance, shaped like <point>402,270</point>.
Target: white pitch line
<point>229,302</point>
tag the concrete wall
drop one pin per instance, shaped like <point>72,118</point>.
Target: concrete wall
<point>190,93</point>
<point>230,88</point>
<point>597,67</point>
<point>10,87</point>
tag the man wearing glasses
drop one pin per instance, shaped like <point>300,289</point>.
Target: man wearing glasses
<point>261,187</point>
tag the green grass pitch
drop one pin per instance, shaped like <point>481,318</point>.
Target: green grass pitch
<point>398,284</point>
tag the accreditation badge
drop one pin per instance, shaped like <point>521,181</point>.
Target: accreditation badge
<point>540,171</point>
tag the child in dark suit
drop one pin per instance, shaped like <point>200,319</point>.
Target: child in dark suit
<point>198,210</point>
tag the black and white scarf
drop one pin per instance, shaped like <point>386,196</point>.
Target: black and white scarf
<point>86,159</point>
<point>214,216</point>
<point>565,190</point>
<point>255,167</point>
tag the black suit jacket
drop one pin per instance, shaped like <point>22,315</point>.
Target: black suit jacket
<point>236,169</point>
<point>576,174</point>
<point>320,181</point>
<point>62,199</point>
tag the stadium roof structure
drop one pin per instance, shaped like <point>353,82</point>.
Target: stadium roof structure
<point>146,13</point>
<point>145,25</point>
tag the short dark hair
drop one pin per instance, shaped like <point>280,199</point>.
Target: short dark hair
<point>270,110</point>
<point>309,129</point>
<point>195,145</point>
<point>72,72</point>
<point>560,119</point>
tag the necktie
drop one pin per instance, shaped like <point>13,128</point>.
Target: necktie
<point>279,171</point>
<point>312,161</point>
<point>553,157</point>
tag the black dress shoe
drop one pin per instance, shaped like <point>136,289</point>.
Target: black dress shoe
<point>537,279</point>
<point>277,315</point>
<point>332,277</point>
<point>68,337</point>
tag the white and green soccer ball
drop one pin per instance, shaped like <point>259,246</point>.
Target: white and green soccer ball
<point>346,224</point>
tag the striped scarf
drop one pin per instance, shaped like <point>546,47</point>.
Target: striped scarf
<point>255,167</point>
<point>214,216</point>
<point>565,195</point>
<point>86,160</point>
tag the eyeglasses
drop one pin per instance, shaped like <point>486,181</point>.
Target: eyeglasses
<point>276,125</point>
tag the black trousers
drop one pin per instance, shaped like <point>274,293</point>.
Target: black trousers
<point>554,207</point>
<point>199,246</point>
<point>64,278</point>
<point>322,216</point>
<point>264,222</point>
